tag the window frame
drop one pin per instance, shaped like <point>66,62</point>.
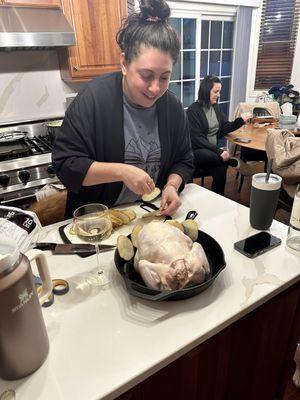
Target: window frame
<point>200,12</point>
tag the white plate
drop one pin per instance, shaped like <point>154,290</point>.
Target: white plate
<point>122,230</point>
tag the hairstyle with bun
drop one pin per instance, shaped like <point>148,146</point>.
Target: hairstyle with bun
<point>205,88</point>
<point>150,28</point>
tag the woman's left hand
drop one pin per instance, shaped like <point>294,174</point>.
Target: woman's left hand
<point>169,200</point>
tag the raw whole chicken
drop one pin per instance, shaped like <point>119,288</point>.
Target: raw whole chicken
<point>167,259</point>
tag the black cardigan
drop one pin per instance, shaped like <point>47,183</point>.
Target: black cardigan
<point>199,127</point>
<point>93,130</point>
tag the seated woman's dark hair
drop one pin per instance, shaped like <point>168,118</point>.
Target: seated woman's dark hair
<point>205,88</point>
<point>150,28</point>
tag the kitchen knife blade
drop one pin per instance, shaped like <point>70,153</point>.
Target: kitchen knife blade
<point>74,248</point>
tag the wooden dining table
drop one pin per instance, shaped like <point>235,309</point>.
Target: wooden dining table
<point>256,134</point>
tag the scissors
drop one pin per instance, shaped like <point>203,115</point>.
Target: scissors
<point>59,287</point>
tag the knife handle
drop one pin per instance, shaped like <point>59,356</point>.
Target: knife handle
<point>45,246</point>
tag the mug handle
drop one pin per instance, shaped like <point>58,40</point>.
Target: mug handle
<point>42,266</point>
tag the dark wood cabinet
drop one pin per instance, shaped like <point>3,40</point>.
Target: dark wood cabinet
<point>95,23</point>
<point>251,359</point>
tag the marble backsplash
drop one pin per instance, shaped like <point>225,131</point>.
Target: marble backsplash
<point>31,87</point>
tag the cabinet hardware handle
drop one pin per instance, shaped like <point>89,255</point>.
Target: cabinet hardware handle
<point>76,68</point>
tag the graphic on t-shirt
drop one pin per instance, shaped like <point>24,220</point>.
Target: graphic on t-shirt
<point>135,153</point>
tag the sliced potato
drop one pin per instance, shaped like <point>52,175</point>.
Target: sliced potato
<point>191,229</point>
<point>125,248</point>
<point>72,230</point>
<point>116,222</point>
<point>120,215</point>
<point>152,214</point>
<point>175,223</point>
<point>131,214</point>
<point>152,195</point>
<point>134,234</point>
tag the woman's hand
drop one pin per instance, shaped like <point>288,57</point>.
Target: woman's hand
<point>246,116</point>
<point>136,179</point>
<point>225,155</point>
<point>169,200</point>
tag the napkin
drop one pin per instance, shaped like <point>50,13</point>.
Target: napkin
<point>287,109</point>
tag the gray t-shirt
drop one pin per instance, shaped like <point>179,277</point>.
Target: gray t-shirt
<point>213,124</point>
<point>142,144</point>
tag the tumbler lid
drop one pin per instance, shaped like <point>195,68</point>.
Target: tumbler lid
<point>259,181</point>
<point>9,254</point>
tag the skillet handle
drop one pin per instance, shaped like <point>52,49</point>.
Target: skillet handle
<point>191,215</point>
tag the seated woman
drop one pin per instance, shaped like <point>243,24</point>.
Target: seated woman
<point>207,125</point>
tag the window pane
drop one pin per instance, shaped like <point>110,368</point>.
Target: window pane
<point>189,33</point>
<point>189,65</point>
<point>204,34</point>
<point>175,87</point>
<point>176,72</point>
<point>203,64</point>
<point>226,62</point>
<point>188,93</point>
<point>214,62</point>
<point>225,109</point>
<point>215,34</point>
<point>225,92</point>
<point>176,24</point>
<point>228,35</point>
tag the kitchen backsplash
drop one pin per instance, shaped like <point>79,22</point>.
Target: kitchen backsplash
<point>31,87</point>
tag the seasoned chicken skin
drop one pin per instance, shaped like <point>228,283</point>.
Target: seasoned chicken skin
<point>167,259</point>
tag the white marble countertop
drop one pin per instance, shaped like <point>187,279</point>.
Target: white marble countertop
<point>104,341</point>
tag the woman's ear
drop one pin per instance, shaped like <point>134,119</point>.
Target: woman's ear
<point>123,64</point>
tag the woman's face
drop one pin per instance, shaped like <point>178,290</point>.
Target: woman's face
<point>147,77</point>
<point>215,93</point>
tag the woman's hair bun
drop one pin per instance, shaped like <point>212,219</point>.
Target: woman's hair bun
<point>154,8</point>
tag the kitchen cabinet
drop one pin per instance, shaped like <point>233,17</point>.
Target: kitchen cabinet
<point>95,23</point>
<point>250,359</point>
<point>33,3</point>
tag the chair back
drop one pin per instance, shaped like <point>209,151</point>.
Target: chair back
<point>259,109</point>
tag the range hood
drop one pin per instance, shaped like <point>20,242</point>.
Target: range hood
<point>30,28</point>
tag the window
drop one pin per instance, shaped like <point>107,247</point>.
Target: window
<point>277,41</point>
<point>216,55</point>
<point>206,48</point>
<point>183,78</point>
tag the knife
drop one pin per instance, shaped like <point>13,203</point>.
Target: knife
<point>74,248</point>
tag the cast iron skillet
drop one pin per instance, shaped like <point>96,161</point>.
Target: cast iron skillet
<point>135,284</point>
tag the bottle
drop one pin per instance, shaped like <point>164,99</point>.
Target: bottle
<point>24,341</point>
<point>293,237</point>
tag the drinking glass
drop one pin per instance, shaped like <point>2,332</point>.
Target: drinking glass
<point>248,115</point>
<point>92,224</point>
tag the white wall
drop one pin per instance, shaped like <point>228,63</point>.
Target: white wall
<point>30,86</point>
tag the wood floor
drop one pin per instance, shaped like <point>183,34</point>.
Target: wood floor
<point>231,192</point>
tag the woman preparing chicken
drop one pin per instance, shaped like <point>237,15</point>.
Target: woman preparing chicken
<point>126,133</point>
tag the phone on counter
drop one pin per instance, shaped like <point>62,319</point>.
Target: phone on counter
<point>242,140</point>
<point>257,244</point>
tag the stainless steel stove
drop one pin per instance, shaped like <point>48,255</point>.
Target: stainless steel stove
<point>25,163</point>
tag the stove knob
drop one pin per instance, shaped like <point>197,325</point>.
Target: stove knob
<point>24,176</point>
<point>4,179</point>
<point>50,170</point>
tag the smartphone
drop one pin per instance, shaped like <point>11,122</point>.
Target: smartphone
<point>257,244</point>
<point>242,140</point>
